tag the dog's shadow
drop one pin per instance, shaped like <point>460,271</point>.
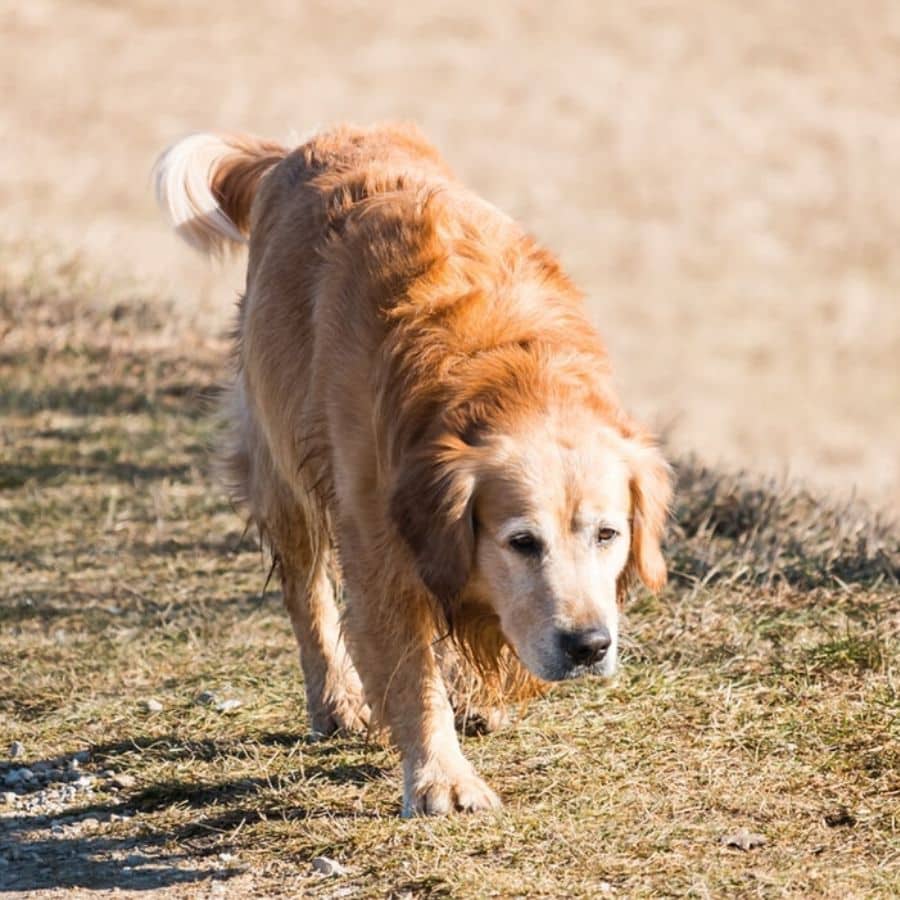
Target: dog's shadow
<point>40,851</point>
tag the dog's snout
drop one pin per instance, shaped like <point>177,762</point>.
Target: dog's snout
<point>584,648</point>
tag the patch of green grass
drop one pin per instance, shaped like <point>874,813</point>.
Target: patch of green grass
<point>758,691</point>
<point>855,652</point>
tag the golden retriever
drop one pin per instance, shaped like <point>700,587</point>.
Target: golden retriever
<point>421,413</point>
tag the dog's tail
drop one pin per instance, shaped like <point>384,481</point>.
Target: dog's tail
<point>205,184</point>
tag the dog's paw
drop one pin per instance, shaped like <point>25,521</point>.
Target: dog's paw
<point>437,792</point>
<point>477,721</point>
<point>344,712</point>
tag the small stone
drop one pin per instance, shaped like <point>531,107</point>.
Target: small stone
<point>229,705</point>
<point>324,865</point>
<point>9,797</point>
<point>74,765</point>
<point>85,783</point>
<point>227,857</point>
<point>89,822</point>
<point>123,780</point>
<point>743,839</point>
<point>16,750</point>
<point>151,705</point>
<point>206,698</point>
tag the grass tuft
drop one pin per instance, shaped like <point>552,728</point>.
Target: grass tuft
<point>732,529</point>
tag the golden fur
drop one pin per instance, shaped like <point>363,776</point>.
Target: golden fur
<point>416,376</point>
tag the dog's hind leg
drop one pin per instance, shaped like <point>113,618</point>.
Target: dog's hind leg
<point>300,542</point>
<point>333,691</point>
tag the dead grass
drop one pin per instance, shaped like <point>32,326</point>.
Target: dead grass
<point>759,691</point>
<point>719,177</point>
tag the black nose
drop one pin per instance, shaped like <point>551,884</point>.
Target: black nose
<point>585,648</point>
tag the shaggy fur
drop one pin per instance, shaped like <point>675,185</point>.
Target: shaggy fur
<point>415,377</point>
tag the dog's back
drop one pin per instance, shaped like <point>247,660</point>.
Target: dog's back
<point>294,208</point>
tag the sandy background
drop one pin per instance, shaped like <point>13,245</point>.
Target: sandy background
<point>723,179</point>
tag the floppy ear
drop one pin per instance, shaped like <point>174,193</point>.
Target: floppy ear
<point>651,491</point>
<point>431,507</point>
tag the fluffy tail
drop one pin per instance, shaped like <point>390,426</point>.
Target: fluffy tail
<point>205,184</point>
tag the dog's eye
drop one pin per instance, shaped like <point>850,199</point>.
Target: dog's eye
<point>526,544</point>
<point>605,535</point>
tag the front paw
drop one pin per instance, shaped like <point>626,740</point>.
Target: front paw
<point>436,790</point>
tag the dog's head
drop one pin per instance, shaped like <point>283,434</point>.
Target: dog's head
<point>545,525</point>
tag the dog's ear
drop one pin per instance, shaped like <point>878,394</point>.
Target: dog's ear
<point>432,509</point>
<point>651,492</point>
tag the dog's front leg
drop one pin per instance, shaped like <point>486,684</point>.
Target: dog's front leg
<point>437,778</point>
<point>405,689</point>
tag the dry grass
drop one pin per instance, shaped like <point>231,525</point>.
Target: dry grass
<point>759,691</point>
<point>720,177</point>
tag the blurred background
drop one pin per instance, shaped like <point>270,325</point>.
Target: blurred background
<point>720,178</point>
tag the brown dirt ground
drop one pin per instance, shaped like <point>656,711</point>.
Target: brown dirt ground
<point>719,177</point>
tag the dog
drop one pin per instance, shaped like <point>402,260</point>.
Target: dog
<point>421,416</point>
